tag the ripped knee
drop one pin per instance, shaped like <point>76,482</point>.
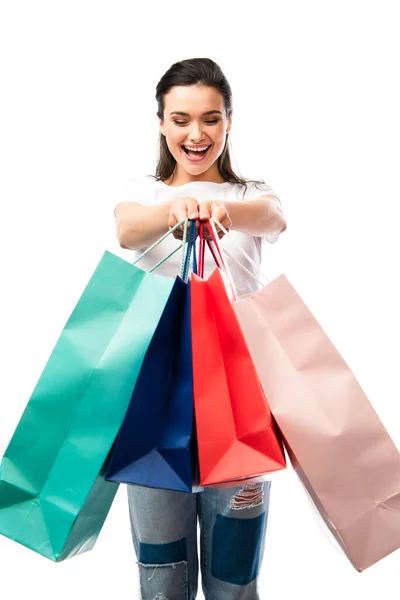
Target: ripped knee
<point>248,496</point>
<point>168,581</point>
<point>163,567</point>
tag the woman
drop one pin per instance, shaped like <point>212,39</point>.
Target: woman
<point>194,179</point>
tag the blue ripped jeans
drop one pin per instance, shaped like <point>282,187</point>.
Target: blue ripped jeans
<point>233,523</point>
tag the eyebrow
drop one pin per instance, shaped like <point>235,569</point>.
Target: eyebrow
<point>183,114</point>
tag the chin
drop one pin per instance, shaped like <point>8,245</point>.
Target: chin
<point>193,168</point>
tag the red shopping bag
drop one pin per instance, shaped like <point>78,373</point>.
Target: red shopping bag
<point>236,434</point>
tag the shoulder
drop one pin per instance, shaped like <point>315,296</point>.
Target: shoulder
<point>134,189</point>
<point>254,189</point>
<point>259,189</point>
<point>140,182</point>
<point>137,189</point>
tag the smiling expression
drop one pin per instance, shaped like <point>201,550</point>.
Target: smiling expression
<point>195,127</point>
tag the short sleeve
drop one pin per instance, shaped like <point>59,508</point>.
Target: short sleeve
<point>134,189</point>
<point>256,190</point>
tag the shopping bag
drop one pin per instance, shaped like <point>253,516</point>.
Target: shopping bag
<point>153,447</point>
<point>236,435</point>
<point>53,495</point>
<point>337,444</point>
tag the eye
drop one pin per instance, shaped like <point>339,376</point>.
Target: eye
<point>211,122</point>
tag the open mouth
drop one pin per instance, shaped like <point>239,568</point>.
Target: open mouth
<point>196,154</point>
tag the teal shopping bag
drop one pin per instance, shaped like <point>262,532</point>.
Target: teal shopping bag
<point>53,495</point>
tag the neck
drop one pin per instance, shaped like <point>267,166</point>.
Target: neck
<point>181,177</point>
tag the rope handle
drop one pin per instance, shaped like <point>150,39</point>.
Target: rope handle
<point>225,265</point>
<point>202,243</point>
<point>217,255</point>
<point>195,263</point>
<point>184,222</point>
<point>249,273</point>
<point>190,253</point>
<point>243,252</point>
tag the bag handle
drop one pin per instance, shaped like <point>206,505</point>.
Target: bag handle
<point>184,222</point>
<point>191,250</point>
<point>217,254</point>
<point>244,253</point>
<point>202,245</point>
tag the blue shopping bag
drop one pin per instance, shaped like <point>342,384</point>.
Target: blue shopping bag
<point>155,445</point>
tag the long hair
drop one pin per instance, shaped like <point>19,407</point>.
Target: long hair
<point>194,71</point>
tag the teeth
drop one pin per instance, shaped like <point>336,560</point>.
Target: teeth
<point>196,149</point>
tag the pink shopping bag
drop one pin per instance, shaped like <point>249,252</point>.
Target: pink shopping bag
<point>337,444</point>
<point>335,440</point>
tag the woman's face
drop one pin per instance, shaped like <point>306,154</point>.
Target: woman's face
<point>195,117</point>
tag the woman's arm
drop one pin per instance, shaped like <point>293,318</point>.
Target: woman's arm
<point>138,226</point>
<point>259,218</point>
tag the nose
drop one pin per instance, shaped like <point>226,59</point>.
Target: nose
<point>196,133</point>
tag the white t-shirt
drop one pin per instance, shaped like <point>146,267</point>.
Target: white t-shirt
<point>149,192</point>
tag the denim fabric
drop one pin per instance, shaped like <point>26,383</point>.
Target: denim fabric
<point>233,524</point>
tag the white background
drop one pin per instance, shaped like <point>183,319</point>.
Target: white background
<point>316,114</point>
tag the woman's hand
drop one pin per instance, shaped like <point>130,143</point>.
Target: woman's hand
<point>218,211</point>
<point>179,210</point>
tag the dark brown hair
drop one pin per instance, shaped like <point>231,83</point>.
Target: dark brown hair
<point>202,71</point>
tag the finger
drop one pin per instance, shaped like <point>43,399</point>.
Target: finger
<point>192,209</point>
<point>172,221</point>
<point>228,223</point>
<point>217,229</point>
<point>178,217</point>
<point>179,210</point>
<point>219,213</point>
<point>178,234</point>
<point>205,212</point>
